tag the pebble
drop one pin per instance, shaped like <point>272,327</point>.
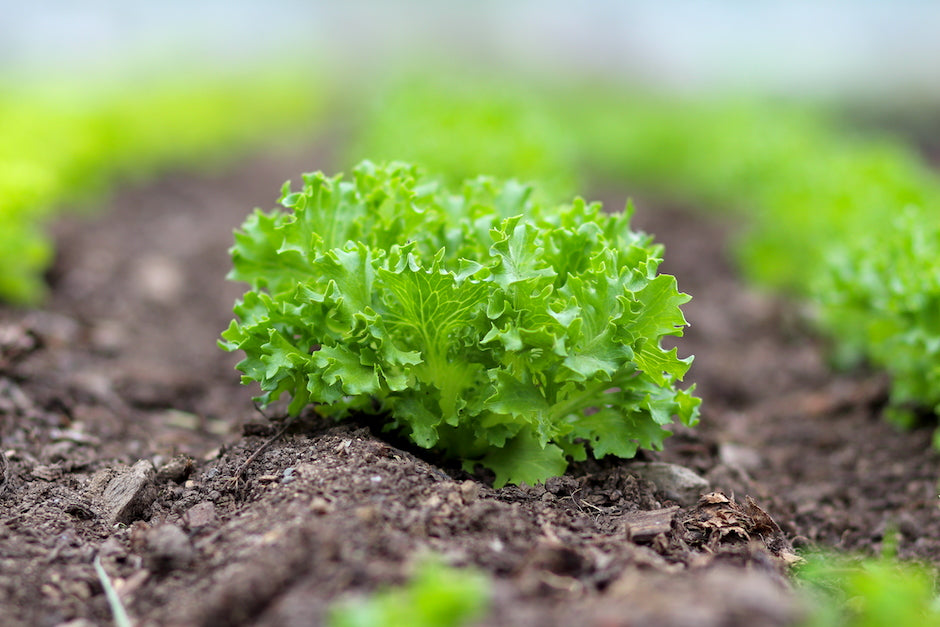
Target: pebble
<point>288,475</point>
<point>109,337</point>
<point>200,515</point>
<point>470,491</point>
<point>741,456</point>
<point>176,470</point>
<point>160,278</point>
<point>320,506</point>
<point>677,482</point>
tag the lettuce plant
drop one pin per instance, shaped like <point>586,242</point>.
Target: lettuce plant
<point>494,329</point>
<point>882,301</point>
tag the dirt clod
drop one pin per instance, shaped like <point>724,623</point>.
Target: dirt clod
<point>16,341</point>
<point>167,548</point>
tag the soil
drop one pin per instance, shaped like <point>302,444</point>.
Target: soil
<point>129,441</point>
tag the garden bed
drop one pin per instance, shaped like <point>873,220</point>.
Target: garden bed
<point>122,366</point>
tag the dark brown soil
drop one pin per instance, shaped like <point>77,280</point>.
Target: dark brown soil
<point>125,435</point>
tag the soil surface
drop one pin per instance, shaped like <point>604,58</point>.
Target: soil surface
<point>129,442</point>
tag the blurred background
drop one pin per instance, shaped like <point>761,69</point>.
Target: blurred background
<point>676,98</point>
<point>862,48</point>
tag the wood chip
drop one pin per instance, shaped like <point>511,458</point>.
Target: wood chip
<point>644,526</point>
<point>130,493</point>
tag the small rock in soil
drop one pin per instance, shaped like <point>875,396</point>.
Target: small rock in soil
<point>676,482</point>
<point>159,278</point>
<point>469,491</point>
<point>108,337</point>
<point>320,506</point>
<point>177,469</point>
<point>200,515</point>
<point>130,493</point>
<point>737,455</point>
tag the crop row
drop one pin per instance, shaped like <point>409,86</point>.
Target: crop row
<point>846,220</point>
<point>63,146</point>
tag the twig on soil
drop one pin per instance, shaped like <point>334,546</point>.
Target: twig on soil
<point>4,471</point>
<point>241,469</point>
<point>121,619</point>
<point>643,526</point>
<point>15,517</point>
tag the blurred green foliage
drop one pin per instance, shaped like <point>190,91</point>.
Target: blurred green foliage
<point>846,591</point>
<point>847,220</point>
<point>63,145</point>
<point>437,596</point>
<point>467,126</point>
